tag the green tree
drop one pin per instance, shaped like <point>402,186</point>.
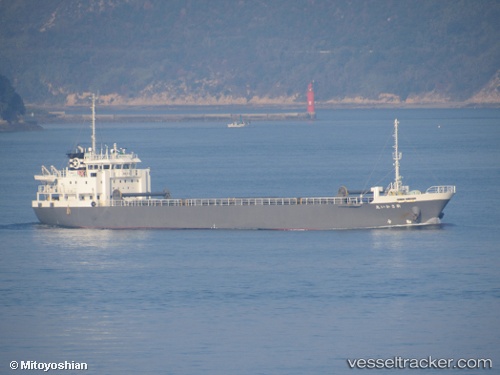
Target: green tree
<point>11,104</point>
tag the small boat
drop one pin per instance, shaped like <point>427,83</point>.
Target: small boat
<point>237,124</point>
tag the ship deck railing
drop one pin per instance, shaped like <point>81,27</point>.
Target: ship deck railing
<point>441,189</point>
<point>194,202</point>
<point>61,173</point>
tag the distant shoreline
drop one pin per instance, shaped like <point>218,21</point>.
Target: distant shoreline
<point>43,114</point>
<point>274,106</point>
<point>63,117</point>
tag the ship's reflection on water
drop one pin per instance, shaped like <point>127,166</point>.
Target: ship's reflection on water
<point>88,238</point>
<point>91,248</point>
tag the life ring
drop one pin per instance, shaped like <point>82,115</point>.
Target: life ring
<point>93,204</point>
<point>74,163</point>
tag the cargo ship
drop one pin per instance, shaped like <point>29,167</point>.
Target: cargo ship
<point>106,189</point>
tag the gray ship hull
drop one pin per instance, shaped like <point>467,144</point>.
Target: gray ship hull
<point>284,217</point>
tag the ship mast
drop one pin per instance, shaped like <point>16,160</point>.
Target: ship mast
<point>397,157</point>
<point>93,123</point>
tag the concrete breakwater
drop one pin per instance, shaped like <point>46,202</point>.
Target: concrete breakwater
<point>62,116</point>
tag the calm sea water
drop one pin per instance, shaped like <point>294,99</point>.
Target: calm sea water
<point>259,302</point>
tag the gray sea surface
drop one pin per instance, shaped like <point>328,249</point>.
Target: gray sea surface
<point>260,302</point>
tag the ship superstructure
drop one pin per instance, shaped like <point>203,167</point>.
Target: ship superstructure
<point>93,178</point>
<point>106,189</point>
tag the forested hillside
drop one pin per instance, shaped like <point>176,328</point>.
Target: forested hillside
<point>250,51</point>
<point>11,104</point>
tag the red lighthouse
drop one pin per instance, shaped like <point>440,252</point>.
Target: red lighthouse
<point>310,101</point>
